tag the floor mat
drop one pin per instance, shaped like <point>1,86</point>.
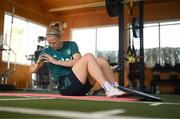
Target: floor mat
<point>92,98</point>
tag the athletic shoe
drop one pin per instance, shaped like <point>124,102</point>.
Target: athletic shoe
<point>114,92</point>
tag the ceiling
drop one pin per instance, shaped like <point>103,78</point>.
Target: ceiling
<point>75,6</point>
<point>62,7</point>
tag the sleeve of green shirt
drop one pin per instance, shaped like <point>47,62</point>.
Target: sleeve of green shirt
<point>74,47</point>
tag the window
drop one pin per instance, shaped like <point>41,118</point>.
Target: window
<point>161,43</point>
<point>170,35</point>
<point>107,43</point>
<point>86,40</point>
<point>170,44</point>
<point>151,44</point>
<point>100,41</point>
<point>24,39</point>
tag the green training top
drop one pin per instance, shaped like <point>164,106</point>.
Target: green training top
<point>63,54</point>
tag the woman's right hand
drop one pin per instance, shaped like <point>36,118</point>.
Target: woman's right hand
<point>35,67</point>
<point>41,60</point>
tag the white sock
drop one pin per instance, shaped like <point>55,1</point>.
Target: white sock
<point>115,84</point>
<point>106,86</point>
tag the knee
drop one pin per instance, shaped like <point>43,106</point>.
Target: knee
<point>88,56</point>
<point>102,60</point>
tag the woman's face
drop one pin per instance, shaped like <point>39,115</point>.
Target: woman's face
<point>54,41</point>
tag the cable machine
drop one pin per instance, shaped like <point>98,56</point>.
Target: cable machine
<point>116,8</point>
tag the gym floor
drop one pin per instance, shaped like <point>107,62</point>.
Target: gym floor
<point>29,106</point>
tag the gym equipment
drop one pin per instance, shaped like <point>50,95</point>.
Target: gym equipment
<point>112,7</point>
<point>41,38</point>
<point>6,48</point>
<point>116,8</point>
<point>139,94</point>
<point>133,74</point>
<point>135,27</point>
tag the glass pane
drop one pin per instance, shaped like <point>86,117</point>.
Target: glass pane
<point>23,40</point>
<point>107,43</point>
<point>170,36</point>
<point>170,44</point>
<point>85,38</point>
<point>151,37</point>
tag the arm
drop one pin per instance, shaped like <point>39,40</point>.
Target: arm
<point>69,63</point>
<point>35,67</point>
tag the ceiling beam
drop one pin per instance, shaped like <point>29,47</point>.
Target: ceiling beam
<point>91,5</point>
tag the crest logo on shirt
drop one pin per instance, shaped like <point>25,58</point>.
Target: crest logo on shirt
<point>54,56</point>
<point>68,51</point>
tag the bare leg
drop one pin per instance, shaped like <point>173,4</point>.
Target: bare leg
<point>86,66</point>
<point>106,69</point>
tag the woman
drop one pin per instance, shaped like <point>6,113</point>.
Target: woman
<point>76,74</point>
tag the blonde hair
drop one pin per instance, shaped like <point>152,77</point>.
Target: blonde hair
<point>54,29</point>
